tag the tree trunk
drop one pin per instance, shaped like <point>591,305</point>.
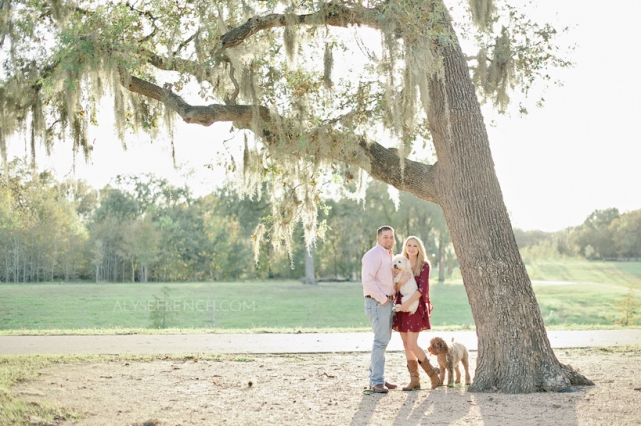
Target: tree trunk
<point>441,261</point>
<point>514,353</point>
<point>335,266</point>
<point>16,263</point>
<point>310,276</point>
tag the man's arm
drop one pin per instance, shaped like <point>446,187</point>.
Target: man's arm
<point>371,266</point>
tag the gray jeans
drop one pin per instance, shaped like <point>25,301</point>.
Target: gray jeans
<point>380,318</point>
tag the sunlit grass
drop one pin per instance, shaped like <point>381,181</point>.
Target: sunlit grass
<point>207,306</point>
<point>572,297</point>
<point>626,274</point>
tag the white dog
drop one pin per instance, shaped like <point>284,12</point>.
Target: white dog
<point>402,264</point>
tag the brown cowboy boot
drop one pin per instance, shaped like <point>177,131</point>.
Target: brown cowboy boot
<point>415,380</point>
<point>425,364</point>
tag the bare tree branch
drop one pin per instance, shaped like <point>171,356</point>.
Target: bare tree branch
<point>173,64</point>
<point>149,16</point>
<point>331,13</point>
<point>234,95</point>
<point>186,42</point>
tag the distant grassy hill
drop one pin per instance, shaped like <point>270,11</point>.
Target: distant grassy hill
<point>626,274</point>
<point>571,293</point>
<point>589,299</point>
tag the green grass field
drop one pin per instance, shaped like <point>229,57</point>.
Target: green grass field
<point>585,300</point>
<point>592,289</point>
<point>625,274</point>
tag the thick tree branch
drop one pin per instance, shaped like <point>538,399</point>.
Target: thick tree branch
<point>414,177</point>
<point>205,115</point>
<point>381,163</point>
<point>333,14</point>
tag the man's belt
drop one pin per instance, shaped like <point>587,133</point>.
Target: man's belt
<point>390,298</point>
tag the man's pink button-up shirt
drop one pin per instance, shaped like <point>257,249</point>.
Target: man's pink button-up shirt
<point>378,280</point>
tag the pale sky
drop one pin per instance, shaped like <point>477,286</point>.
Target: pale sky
<point>556,165</point>
<point>582,151</point>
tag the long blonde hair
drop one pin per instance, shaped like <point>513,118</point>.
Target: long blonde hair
<point>422,256</point>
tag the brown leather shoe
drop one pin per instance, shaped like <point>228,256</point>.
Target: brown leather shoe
<point>391,385</point>
<point>380,389</point>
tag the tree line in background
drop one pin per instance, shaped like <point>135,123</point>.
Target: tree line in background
<point>604,235</point>
<point>142,228</point>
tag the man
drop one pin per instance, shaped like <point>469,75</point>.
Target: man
<point>378,289</point>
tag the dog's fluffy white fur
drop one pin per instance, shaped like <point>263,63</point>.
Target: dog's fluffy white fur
<point>402,264</point>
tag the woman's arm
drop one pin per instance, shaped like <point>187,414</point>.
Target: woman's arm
<point>406,305</point>
<point>404,278</point>
<point>423,282</point>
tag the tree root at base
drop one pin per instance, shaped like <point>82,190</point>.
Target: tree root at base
<point>556,380</point>
<point>575,378</point>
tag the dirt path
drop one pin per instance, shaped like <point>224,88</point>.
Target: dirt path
<point>325,389</point>
<point>277,343</point>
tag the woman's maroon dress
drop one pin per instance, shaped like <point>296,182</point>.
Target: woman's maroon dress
<point>419,320</point>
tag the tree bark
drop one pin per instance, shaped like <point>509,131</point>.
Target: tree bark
<point>515,355</point>
<point>310,276</point>
<point>441,261</point>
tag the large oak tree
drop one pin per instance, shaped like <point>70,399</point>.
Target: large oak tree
<point>306,80</point>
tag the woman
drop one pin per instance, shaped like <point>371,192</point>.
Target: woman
<point>410,325</point>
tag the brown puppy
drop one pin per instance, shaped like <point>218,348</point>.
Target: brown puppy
<point>448,357</point>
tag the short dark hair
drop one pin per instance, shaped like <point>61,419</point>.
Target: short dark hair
<point>383,229</point>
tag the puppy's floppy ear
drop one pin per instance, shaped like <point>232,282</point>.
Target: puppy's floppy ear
<point>442,345</point>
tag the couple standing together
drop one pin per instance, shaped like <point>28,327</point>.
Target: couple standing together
<point>381,294</point>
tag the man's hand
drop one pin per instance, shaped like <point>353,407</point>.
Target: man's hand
<point>386,302</point>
